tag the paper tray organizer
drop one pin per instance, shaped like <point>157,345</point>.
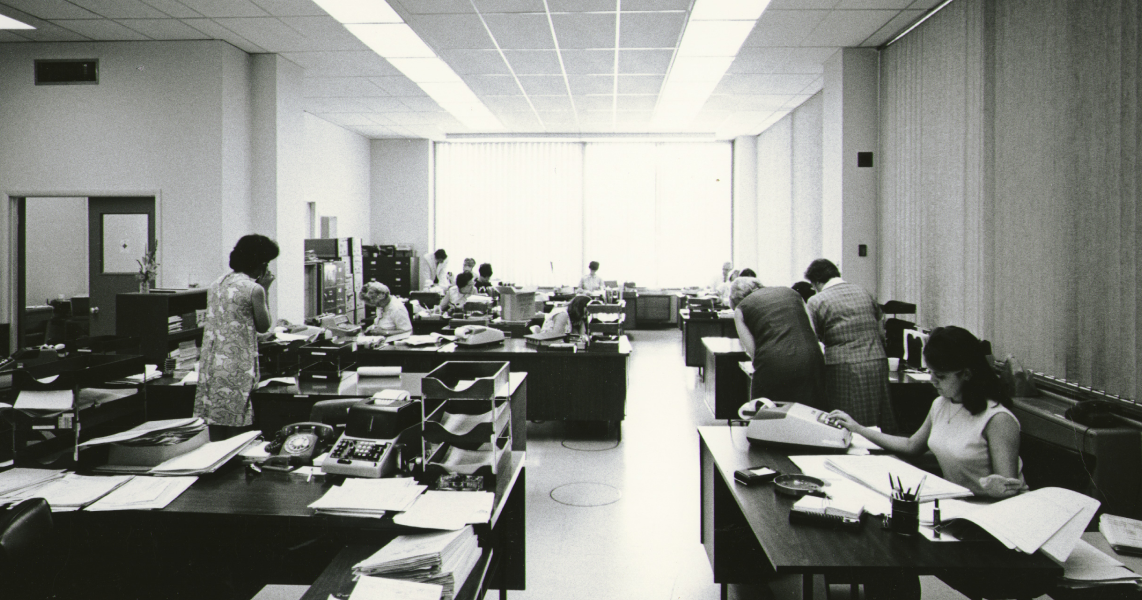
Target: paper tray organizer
<point>468,429</point>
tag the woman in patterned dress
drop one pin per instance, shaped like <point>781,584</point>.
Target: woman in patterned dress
<point>236,311</point>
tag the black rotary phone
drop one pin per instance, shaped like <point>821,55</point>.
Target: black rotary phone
<point>296,445</point>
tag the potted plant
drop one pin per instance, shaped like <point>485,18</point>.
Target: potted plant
<point>148,268</point>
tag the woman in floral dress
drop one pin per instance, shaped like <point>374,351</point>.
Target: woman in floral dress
<point>236,311</point>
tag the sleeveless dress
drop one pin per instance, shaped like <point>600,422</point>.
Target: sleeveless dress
<point>957,440</point>
<point>787,361</point>
<point>228,363</point>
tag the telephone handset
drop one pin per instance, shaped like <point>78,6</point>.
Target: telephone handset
<point>296,445</point>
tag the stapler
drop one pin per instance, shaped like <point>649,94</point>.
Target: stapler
<point>478,335</point>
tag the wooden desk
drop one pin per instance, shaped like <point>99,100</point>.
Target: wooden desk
<point>694,330</point>
<point>562,386</point>
<point>748,537</point>
<point>725,387</point>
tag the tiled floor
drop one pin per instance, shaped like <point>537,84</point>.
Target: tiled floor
<point>644,544</point>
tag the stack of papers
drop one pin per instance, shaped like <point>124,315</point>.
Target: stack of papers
<point>14,480</point>
<point>154,433</point>
<point>144,493</point>
<point>379,588</point>
<point>70,492</point>
<point>1123,534</point>
<point>878,471</point>
<point>448,510</point>
<point>206,458</point>
<point>842,506</point>
<point>1089,567</point>
<point>369,497</point>
<point>443,559</point>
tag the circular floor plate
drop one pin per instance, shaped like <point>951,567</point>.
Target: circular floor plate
<point>591,445</point>
<point>586,494</point>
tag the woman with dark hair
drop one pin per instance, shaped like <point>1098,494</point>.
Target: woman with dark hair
<point>591,281</point>
<point>847,321</point>
<point>567,319</point>
<point>970,427</point>
<point>455,296</point>
<point>236,311</point>
<point>775,333</point>
<point>484,283</point>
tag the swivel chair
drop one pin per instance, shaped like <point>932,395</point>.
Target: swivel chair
<point>25,533</point>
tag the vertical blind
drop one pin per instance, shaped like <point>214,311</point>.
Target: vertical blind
<point>656,214</point>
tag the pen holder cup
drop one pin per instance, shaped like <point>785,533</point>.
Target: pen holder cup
<point>905,516</point>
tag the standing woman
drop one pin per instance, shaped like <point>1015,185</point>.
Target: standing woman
<point>236,311</point>
<point>847,321</point>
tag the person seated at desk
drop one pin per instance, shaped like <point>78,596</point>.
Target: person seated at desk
<point>566,319</point>
<point>469,265</point>
<point>456,295</point>
<point>774,329</point>
<point>392,316</point>
<point>591,281</point>
<point>484,283</point>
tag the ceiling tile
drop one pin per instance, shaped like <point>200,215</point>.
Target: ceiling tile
<point>584,30</point>
<point>894,27</point>
<point>746,102</point>
<point>637,102</point>
<point>349,119</point>
<point>119,9</point>
<point>10,35</point>
<point>50,32</point>
<point>633,120</point>
<point>449,32</point>
<point>640,84</point>
<point>506,104</point>
<point>589,62</point>
<point>332,87</point>
<point>873,4</point>
<point>50,9</point>
<point>543,84</point>
<point>270,33</point>
<point>291,8</point>
<point>848,28</point>
<point>650,30</point>
<point>556,121</point>
<point>492,85</point>
<point>760,59</point>
<point>785,27</point>
<point>682,5</point>
<point>216,31</point>
<point>507,6</point>
<point>594,103</point>
<point>334,105</point>
<point>174,8</point>
<point>551,103</point>
<point>596,120</point>
<point>385,106</point>
<point>226,8</point>
<point>343,64</point>
<point>925,4</point>
<point>326,34</point>
<point>533,62</point>
<point>521,32</point>
<point>476,62</point>
<point>644,62</point>
<point>764,84</point>
<point>102,30</point>
<point>520,121</point>
<point>420,103</point>
<point>164,29</point>
<point>591,84</point>
<point>411,118</point>
<point>579,6</point>
<point>397,86</point>
<point>430,7</point>
<point>801,5</point>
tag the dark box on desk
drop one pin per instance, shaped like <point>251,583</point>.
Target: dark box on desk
<point>340,355</point>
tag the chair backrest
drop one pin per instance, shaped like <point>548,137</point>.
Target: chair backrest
<point>333,412</point>
<point>24,531</point>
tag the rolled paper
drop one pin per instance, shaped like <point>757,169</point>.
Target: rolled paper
<point>378,371</point>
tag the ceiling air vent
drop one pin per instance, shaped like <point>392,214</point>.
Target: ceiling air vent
<point>67,71</point>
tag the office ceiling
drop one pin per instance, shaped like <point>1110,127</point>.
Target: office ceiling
<point>586,68</point>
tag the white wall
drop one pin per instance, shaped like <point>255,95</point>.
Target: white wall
<point>745,200</point>
<point>337,176</point>
<point>401,188</point>
<point>807,219</point>
<point>56,243</point>
<point>153,125</point>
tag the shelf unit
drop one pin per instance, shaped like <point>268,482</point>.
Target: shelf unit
<point>145,317</point>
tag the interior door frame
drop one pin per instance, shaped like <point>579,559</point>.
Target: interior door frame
<point>13,276</point>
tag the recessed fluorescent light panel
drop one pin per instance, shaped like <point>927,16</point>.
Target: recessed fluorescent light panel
<point>376,24</point>
<point>714,34</point>
<point>10,23</point>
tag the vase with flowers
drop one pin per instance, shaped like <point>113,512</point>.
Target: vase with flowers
<point>148,268</point>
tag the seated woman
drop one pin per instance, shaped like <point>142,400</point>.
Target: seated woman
<point>775,333</point>
<point>455,296</point>
<point>392,316</point>
<point>567,319</point>
<point>970,428</point>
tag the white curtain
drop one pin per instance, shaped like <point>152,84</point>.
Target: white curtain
<point>655,214</point>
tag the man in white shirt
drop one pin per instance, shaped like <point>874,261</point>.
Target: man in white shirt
<point>392,317</point>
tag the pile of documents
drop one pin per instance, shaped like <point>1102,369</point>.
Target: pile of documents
<point>14,480</point>
<point>154,433</point>
<point>369,497</point>
<point>207,458</point>
<point>144,493</point>
<point>448,510</point>
<point>1089,567</point>
<point>443,559</point>
<point>875,471</point>
<point>184,358</point>
<point>70,492</point>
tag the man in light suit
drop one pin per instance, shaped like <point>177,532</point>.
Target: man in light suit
<point>847,321</point>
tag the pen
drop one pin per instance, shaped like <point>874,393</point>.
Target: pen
<point>921,486</point>
<point>936,519</point>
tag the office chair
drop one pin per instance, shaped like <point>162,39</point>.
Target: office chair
<point>333,412</point>
<point>25,533</point>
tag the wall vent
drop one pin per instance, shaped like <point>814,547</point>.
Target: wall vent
<point>67,71</point>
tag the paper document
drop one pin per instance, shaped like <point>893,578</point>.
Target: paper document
<point>839,486</point>
<point>875,472</point>
<point>72,491</point>
<point>286,380</point>
<point>14,480</point>
<point>380,588</point>
<point>448,510</point>
<point>45,400</point>
<point>144,493</point>
<point>1087,563</point>
<point>370,496</point>
<point>142,430</point>
<point>206,458</point>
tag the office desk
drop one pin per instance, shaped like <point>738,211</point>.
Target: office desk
<point>748,537</point>
<point>565,386</point>
<point>694,330</point>
<point>725,387</point>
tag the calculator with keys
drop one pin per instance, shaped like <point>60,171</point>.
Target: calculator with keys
<point>362,457</point>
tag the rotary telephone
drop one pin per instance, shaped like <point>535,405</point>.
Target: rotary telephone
<point>296,445</point>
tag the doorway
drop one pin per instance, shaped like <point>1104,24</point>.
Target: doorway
<point>75,254</point>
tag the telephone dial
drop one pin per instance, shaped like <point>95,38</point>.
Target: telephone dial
<point>296,445</point>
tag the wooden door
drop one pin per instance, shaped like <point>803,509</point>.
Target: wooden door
<point>116,227</point>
